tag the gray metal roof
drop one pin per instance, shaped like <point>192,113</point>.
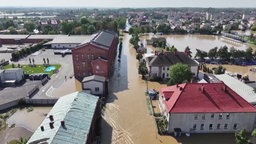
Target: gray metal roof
<point>76,110</point>
<point>170,58</point>
<point>239,87</point>
<point>43,36</point>
<point>94,77</point>
<point>104,38</point>
<point>65,39</point>
<point>13,36</point>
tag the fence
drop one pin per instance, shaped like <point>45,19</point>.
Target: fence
<point>41,101</point>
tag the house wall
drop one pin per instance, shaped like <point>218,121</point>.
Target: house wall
<point>187,121</point>
<point>63,46</point>
<point>92,85</point>
<point>194,69</point>
<point>154,71</point>
<point>14,75</point>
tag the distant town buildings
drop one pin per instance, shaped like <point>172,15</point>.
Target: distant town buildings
<point>205,108</point>
<point>95,57</point>
<point>71,120</point>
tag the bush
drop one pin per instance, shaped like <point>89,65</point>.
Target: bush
<point>161,125</point>
<point>155,78</point>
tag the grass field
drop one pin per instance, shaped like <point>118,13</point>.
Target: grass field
<point>35,69</point>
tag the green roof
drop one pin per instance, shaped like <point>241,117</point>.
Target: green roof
<point>77,111</point>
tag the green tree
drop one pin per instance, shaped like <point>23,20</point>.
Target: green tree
<point>248,53</point>
<point>29,26</point>
<point>84,21</point>
<point>22,140</point>
<point>253,28</point>
<point>241,137</point>
<point>67,28</point>
<point>91,29</point>
<point>139,56</point>
<point>223,53</point>
<point>179,73</point>
<point>143,69</point>
<point>212,54</point>
<point>164,28</point>
<point>201,54</point>
<point>219,70</point>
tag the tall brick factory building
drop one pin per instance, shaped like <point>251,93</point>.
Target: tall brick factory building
<point>96,57</point>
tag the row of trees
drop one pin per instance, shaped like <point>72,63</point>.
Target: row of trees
<point>27,51</point>
<point>226,54</point>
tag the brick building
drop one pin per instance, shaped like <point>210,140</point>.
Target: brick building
<point>95,57</point>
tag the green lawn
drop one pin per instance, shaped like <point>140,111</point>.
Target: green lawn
<point>36,69</point>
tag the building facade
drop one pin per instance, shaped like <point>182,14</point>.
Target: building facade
<point>95,57</point>
<point>205,108</point>
<point>158,65</point>
<point>95,85</point>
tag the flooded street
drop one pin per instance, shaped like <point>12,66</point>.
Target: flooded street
<point>202,42</point>
<point>126,118</point>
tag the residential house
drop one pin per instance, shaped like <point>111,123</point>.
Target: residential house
<point>158,65</point>
<point>205,108</point>
<point>71,120</point>
<point>95,85</point>
<point>95,57</point>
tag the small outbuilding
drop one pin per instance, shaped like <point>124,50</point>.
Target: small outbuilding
<point>96,85</point>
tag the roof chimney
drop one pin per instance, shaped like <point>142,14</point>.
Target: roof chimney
<point>51,125</point>
<point>181,88</point>
<point>51,117</point>
<point>202,88</point>
<point>224,88</point>
<point>177,85</point>
<point>62,123</point>
<point>42,128</point>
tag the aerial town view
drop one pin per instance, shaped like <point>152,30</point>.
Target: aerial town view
<point>128,72</point>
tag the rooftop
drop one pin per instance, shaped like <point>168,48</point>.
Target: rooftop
<point>170,58</point>
<point>239,87</point>
<point>94,77</point>
<point>104,38</point>
<point>76,110</point>
<point>65,39</point>
<point>204,97</point>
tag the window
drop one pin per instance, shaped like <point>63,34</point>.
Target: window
<point>196,117</point>
<point>203,117</point>
<point>76,57</point>
<point>210,127</point>
<point>228,116</point>
<point>92,56</point>
<point>194,127</point>
<point>82,56</point>
<point>220,116</point>
<point>163,68</point>
<point>235,126</point>
<point>225,126</point>
<point>218,126</point>
<point>83,64</point>
<point>78,68</point>
<point>88,56</point>
<point>167,75</point>
<point>167,68</point>
<point>212,115</point>
<point>97,89</point>
<point>202,126</point>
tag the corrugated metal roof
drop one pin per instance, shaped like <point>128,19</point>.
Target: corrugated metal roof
<point>13,36</point>
<point>77,111</point>
<point>239,87</point>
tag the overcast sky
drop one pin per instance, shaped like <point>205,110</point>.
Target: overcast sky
<point>130,3</point>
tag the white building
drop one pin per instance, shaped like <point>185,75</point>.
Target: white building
<point>205,108</point>
<point>68,42</point>
<point>158,65</point>
<point>12,75</point>
<point>95,85</point>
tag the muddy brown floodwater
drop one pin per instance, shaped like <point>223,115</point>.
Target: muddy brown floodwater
<point>126,118</point>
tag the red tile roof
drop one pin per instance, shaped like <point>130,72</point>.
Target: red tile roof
<point>207,97</point>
